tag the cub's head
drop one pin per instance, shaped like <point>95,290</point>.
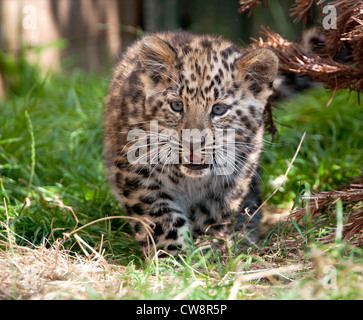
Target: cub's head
<point>208,97</point>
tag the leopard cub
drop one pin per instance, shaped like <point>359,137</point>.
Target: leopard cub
<point>183,136</point>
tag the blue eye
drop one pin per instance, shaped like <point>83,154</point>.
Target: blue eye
<point>176,106</point>
<point>219,109</point>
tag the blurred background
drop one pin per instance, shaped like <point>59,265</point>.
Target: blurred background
<point>91,34</point>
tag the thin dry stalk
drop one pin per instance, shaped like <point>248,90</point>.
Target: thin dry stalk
<point>182,295</point>
<point>260,274</point>
<point>280,184</point>
<point>144,221</point>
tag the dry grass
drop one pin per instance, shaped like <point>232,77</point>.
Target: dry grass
<point>55,273</point>
<point>52,272</point>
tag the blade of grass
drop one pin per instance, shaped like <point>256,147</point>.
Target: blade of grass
<point>297,228</point>
<point>339,229</point>
<point>32,146</point>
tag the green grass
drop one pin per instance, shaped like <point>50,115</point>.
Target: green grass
<point>332,150</point>
<point>51,162</point>
<point>51,150</point>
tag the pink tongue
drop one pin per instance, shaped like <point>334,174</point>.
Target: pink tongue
<point>195,159</point>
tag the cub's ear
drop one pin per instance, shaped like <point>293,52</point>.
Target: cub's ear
<point>259,65</point>
<point>155,53</point>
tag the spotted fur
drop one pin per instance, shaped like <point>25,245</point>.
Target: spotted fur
<point>199,71</point>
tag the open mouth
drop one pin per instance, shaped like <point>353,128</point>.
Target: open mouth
<point>196,166</point>
<point>195,163</point>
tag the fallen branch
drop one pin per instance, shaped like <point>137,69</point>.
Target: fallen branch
<point>321,201</point>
